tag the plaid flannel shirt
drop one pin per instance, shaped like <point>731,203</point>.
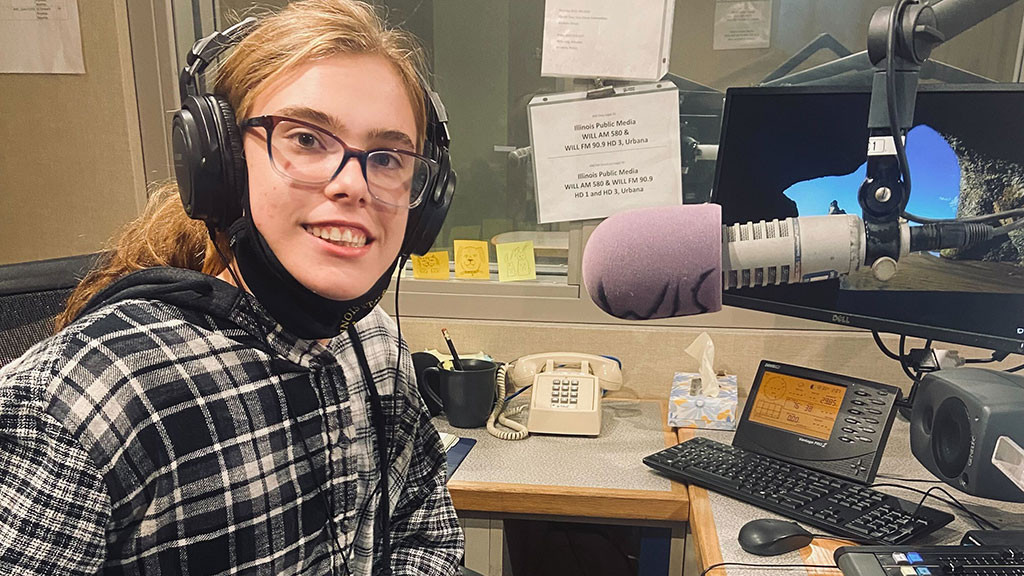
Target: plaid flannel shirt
<point>159,438</point>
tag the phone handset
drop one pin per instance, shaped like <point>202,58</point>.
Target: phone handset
<point>606,369</point>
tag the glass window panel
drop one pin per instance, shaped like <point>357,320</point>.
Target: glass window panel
<point>485,58</point>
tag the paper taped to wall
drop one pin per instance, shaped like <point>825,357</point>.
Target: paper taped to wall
<point>41,37</point>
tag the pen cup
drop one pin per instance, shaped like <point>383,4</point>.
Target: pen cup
<point>467,395</point>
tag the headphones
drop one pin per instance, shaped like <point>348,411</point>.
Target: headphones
<point>209,162</point>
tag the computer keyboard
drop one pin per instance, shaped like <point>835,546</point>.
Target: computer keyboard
<point>930,560</point>
<point>835,505</point>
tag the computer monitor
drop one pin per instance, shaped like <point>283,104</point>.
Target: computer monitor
<point>800,151</point>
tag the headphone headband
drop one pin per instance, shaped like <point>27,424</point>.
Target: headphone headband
<point>206,50</point>
<point>440,119</point>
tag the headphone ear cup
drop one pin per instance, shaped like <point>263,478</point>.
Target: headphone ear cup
<point>186,144</point>
<point>209,164</point>
<point>426,220</point>
<point>235,176</point>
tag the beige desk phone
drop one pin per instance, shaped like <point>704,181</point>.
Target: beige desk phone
<point>566,394</point>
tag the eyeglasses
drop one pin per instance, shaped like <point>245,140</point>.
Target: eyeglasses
<point>307,154</point>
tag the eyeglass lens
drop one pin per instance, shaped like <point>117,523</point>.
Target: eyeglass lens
<point>311,156</point>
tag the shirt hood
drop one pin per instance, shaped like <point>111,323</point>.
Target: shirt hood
<point>183,288</point>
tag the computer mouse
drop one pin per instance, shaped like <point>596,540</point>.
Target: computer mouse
<point>771,537</point>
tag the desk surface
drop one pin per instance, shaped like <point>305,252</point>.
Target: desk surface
<point>717,519</point>
<point>600,477</point>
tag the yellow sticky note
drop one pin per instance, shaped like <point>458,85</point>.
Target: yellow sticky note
<point>516,261</point>
<point>472,259</point>
<point>431,266</point>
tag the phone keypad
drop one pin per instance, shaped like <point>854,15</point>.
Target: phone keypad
<point>565,392</point>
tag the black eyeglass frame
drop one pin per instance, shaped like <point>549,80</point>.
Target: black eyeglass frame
<point>269,122</point>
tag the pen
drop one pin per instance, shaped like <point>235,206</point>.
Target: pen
<point>456,363</point>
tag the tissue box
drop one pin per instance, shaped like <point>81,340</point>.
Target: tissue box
<point>715,413</point>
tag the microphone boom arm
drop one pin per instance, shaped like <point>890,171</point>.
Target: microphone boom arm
<point>917,29</point>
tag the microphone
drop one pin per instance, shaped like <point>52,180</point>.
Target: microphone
<point>656,262</point>
<point>675,261</point>
<point>793,250</point>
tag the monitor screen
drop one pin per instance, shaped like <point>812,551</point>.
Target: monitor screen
<point>801,151</point>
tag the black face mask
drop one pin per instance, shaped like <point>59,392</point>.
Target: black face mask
<point>303,312</point>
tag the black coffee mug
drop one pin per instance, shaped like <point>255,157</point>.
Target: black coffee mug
<point>430,389</point>
<point>468,394</point>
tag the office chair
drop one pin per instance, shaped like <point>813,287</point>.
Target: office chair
<point>31,295</point>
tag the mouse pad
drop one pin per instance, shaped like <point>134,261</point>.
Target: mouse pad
<point>457,453</point>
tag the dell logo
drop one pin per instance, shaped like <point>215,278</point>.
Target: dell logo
<point>1020,331</point>
<point>841,318</point>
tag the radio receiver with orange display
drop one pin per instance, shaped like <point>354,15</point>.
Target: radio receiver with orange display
<point>828,422</point>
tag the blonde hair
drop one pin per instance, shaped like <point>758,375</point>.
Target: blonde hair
<point>304,30</point>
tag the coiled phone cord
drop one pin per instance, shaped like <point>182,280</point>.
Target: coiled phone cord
<point>516,431</point>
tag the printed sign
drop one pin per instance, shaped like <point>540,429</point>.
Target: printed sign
<point>40,36</point>
<point>740,25</point>
<point>607,39</point>
<point>596,157</point>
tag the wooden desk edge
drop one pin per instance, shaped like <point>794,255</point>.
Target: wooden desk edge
<point>584,502</point>
<point>587,502</point>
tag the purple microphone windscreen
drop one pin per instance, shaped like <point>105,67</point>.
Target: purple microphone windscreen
<point>656,262</point>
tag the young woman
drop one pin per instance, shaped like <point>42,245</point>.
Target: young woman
<point>198,418</point>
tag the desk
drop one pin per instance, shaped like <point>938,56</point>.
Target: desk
<point>568,478</point>
<point>716,520</point>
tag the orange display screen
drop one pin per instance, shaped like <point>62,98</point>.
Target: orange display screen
<point>797,405</point>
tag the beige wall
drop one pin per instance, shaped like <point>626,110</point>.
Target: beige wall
<point>70,153</point>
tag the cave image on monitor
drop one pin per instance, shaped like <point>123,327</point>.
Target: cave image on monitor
<point>802,151</point>
<point>949,180</point>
